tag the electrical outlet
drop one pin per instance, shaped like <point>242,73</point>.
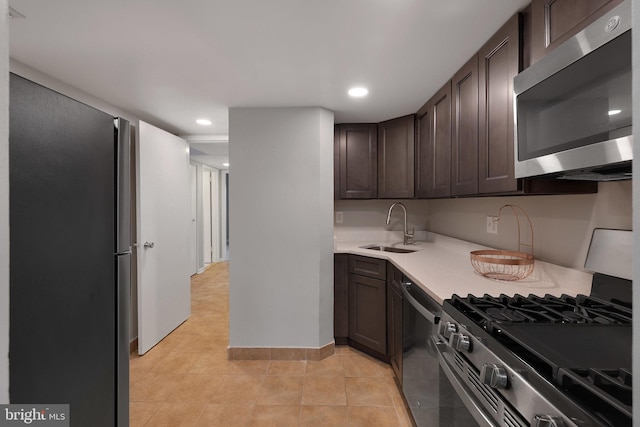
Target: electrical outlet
<point>492,224</point>
<point>339,218</point>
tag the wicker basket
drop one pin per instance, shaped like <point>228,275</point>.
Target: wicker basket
<point>506,265</point>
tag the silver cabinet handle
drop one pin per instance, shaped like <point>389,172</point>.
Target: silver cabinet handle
<point>149,245</point>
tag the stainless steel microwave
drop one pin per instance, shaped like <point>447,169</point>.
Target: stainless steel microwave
<point>573,107</point>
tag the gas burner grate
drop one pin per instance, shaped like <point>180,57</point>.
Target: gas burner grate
<point>490,312</point>
<point>609,391</point>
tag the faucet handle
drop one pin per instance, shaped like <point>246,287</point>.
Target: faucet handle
<point>412,233</point>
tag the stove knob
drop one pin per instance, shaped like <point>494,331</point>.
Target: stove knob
<point>460,342</point>
<point>547,421</point>
<point>448,328</point>
<point>495,376</point>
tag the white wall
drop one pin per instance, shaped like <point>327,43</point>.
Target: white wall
<point>281,228</point>
<point>562,225</point>
<point>4,203</point>
<point>363,215</point>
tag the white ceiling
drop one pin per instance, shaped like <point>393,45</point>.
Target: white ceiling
<point>170,62</point>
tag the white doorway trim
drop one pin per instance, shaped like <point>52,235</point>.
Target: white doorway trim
<point>224,220</point>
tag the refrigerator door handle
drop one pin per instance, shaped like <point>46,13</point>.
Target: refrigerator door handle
<point>123,188</point>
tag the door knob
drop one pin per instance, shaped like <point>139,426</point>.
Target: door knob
<point>149,245</point>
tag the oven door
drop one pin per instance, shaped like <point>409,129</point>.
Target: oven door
<point>464,394</point>
<point>432,400</point>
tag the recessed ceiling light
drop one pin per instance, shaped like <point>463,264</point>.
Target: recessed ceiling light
<point>203,122</point>
<point>225,164</point>
<point>614,112</point>
<point>358,92</point>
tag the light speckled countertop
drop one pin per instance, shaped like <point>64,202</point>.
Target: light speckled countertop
<point>441,266</point>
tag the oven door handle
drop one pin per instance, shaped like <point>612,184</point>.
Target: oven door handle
<point>466,395</point>
<point>431,317</point>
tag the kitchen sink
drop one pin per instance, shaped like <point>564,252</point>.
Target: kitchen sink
<point>388,249</point>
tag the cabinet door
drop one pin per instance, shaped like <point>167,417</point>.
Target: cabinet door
<point>396,158</point>
<point>555,21</point>
<point>423,167</point>
<point>498,65</point>
<point>367,312</point>
<point>341,298</point>
<point>464,138</point>
<point>394,319</point>
<point>434,145</point>
<point>358,170</point>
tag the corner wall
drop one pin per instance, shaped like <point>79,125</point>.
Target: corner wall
<point>4,203</point>
<point>562,225</point>
<point>281,230</point>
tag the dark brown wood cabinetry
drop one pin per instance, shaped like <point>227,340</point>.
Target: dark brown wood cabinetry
<point>498,65</point>
<point>367,308</point>
<point>464,138</point>
<point>396,158</point>
<point>394,319</point>
<point>555,21</point>
<point>357,173</point>
<point>360,303</point>
<point>367,322</point>
<point>433,146</point>
<point>461,143</point>
<point>341,298</point>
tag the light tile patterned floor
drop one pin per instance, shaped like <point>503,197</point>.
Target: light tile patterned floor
<point>186,380</point>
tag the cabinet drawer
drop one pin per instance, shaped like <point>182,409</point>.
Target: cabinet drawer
<point>369,267</point>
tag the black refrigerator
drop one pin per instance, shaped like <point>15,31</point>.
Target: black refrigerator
<point>70,255</point>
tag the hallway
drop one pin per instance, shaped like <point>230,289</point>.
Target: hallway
<point>186,380</point>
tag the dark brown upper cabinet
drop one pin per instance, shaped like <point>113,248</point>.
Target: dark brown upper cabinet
<point>555,21</point>
<point>498,64</point>
<point>396,150</point>
<point>433,146</point>
<point>464,138</point>
<point>357,172</point>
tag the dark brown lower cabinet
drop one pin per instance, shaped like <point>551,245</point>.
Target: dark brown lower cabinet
<point>360,304</point>
<point>341,298</point>
<point>367,314</point>
<point>394,320</point>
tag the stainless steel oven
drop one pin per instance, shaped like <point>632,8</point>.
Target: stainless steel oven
<point>539,361</point>
<point>573,107</point>
<point>432,400</point>
<point>545,360</point>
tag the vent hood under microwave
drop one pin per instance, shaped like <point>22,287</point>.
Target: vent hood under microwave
<point>573,108</point>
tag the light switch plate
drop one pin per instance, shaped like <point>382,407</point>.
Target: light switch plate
<point>492,224</point>
<point>339,218</point>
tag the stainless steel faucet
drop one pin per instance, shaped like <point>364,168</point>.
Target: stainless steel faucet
<point>407,235</point>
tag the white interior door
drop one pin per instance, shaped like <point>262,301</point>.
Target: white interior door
<point>164,219</point>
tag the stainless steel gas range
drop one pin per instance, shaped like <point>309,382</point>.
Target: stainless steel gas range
<point>539,361</point>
